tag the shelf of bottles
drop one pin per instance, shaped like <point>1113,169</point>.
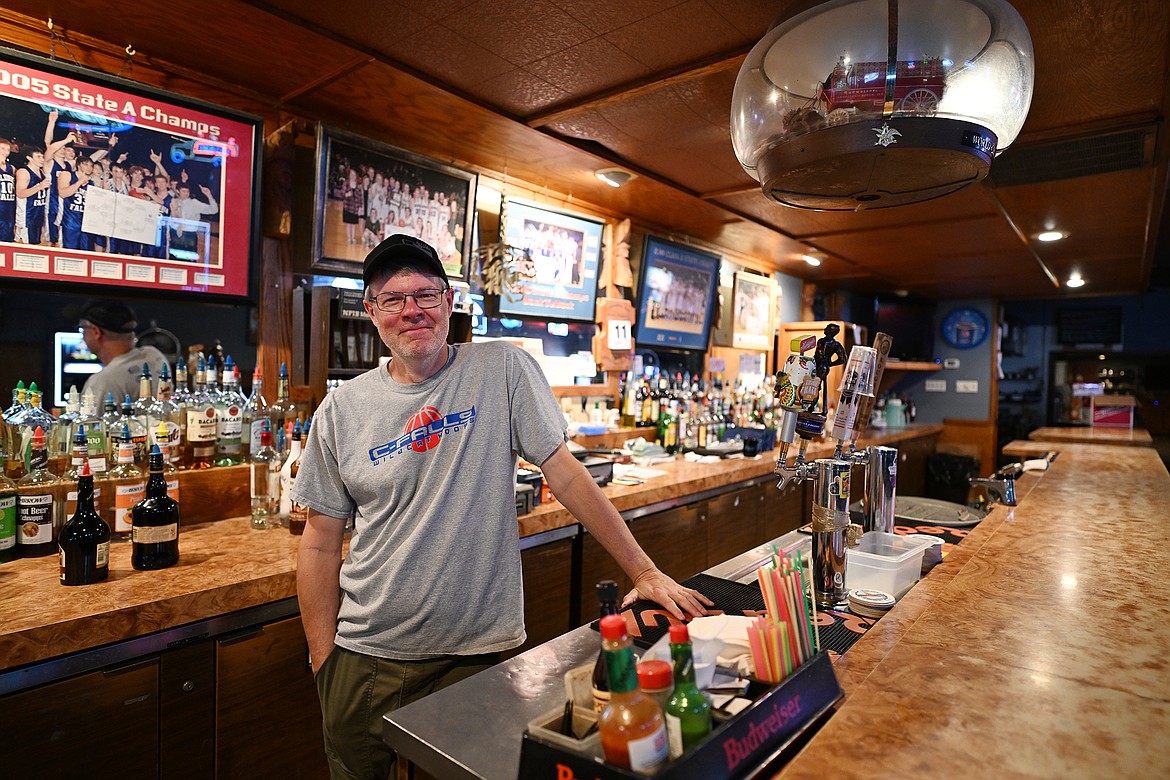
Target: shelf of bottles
<point>200,421</point>
<point>685,412</point>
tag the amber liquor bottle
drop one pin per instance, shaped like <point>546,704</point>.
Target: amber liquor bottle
<point>84,546</point>
<point>607,597</point>
<point>155,519</point>
<point>39,503</point>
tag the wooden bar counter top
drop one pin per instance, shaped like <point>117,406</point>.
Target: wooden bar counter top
<point>1131,437</point>
<point>226,566</point>
<point>1039,648</point>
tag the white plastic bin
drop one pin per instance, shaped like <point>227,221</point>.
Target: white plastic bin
<point>885,562</point>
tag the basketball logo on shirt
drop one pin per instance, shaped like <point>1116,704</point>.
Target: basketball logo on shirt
<point>421,419</point>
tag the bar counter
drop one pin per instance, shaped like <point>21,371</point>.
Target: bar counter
<point>1039,647</point>
<point>226,567</point>
<point>1132,437</point>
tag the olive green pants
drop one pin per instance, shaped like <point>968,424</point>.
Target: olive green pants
<point>357,690</point>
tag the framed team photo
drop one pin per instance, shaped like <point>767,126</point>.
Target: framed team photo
<point>677,295</point>
<point>366,191</point>
<point>107,182</point>
<point>751,314</point>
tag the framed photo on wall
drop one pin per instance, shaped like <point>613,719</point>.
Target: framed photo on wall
<point>751,312</point>
<point>565,253</point>
<point>104,181</point>
<point>366,191</point>
<point>676,295</point>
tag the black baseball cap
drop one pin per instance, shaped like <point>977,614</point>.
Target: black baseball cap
<point>113,316</point>
<point>402,250</point>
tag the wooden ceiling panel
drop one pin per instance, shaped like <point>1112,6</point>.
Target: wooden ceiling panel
<point>519,92</point>
<point>683,33</point>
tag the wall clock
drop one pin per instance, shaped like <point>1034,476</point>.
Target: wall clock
<point>965,328</point>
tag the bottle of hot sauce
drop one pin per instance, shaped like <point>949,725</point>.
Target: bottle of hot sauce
<point>633,732</point>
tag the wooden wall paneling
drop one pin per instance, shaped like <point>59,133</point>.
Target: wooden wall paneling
<point>547,588</point>
<point>785,510</point>
<point>675,539</point>
<point>213,494</point>
<point>598,565</point>
<point>734,524</point>
<point>971,437</point>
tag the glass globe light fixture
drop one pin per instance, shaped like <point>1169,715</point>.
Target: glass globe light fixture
<point>858,104</point>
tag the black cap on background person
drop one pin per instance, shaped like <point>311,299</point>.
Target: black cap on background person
<point>401,250</point>
<point>114,316</point>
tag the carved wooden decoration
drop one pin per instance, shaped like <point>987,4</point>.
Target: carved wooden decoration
<point>613,314</point>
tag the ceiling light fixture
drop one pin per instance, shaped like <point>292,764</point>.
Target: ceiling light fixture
<point>1050,235</point>
<point>812,260</point>
<point>861,104</point>
<point>614,177</point>
<point>1075,280</point>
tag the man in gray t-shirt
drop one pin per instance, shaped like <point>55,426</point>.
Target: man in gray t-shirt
<point>422,453</point>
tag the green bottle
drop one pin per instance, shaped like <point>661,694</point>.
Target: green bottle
<point>688,713</point>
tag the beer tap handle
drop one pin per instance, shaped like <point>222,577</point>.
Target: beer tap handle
<point>882,342</point>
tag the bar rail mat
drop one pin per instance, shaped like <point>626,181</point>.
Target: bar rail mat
<point>649,622</point>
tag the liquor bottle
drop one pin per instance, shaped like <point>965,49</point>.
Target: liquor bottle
<point>286,475</point>
<point>141,408</point>
<point>79,459</point>
<point>166,413</point>
<point>283,411</point>
<point>85,539</point>
<point>229,418</point>
<point>39,508</point>
<point>13,464</point>
<point>129,425</point>
<point>155,520</point>
<point>633,733</point>
<point>170,473</point>
<point>199,446</point>
<point>8,551</point>
<point>264,470</point>
<point>688,713</point>
<point>63,446</point>
<point>111,416</point>
<point>28,421</point>
<point>298,516</point>
<point>629,397</point>
<point>256,414</point>
<point>180,397</point>
<point>96,437</point>
<point>607,598</point>
<point>182,390</point>
<point>128,483</point>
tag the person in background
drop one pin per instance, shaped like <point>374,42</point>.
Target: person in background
<point>422,452</point>
<point>108,329</point>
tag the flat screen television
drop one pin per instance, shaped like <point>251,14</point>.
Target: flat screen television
<point>565,252</point>
<point>676,296</point>
<point>145,189</point>
<point>910,321</point>
<point>73,363</point>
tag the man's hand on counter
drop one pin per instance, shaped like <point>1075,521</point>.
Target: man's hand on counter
<point>677,600</point>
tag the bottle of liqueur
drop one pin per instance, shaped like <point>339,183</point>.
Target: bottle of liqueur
<point>298,515</point>
<point>607,597</point>
<point>286,474</point>
<point>128,424</point>
<point>111,416</point>
<point>129,485</point>
<point>165,412</point>
<point>63,446</point>
<point>141,408</point>
<point>229,419</point>
<point>97,444</point>
<point>265,484</point>
<point>8,551</point>
<point>79,460</point>
<point>39,506</point>
<point>633,733</point>
<point>84,546</point>
<point>180,397</point>
<point>256,414</point>
<point>36,417</point>
<point>13,462</point>
<point>199,446</point>
<point>688,713</point>
<point>283,411</point>
<point>155,520</point>
<point>170,473</point>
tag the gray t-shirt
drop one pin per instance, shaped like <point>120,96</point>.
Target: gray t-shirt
<point>429,472</point>
<point>120,376</point>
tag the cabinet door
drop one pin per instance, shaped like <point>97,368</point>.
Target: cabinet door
<point>786,510</point>
<point>101,724</point>
<point>548,571</point>
<point>268,717</point>
<point>912,456</point>
<point>675,539</point>
<point>187,712</point>
<point>734,524</point>
<point>598,565</point>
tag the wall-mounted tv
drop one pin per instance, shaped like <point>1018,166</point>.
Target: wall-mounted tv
<point>910,322</point>
<point>676,295</point>
<point>104,181</point>
<point>73,363</point>
<point>565,251</point>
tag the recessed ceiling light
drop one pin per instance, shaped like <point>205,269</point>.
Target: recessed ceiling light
<point>614,177</point>
<point>1074,280</point>
<point>1050,235</point>
<point>812,260</point>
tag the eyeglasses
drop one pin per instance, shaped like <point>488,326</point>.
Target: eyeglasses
<point>394,302</point>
